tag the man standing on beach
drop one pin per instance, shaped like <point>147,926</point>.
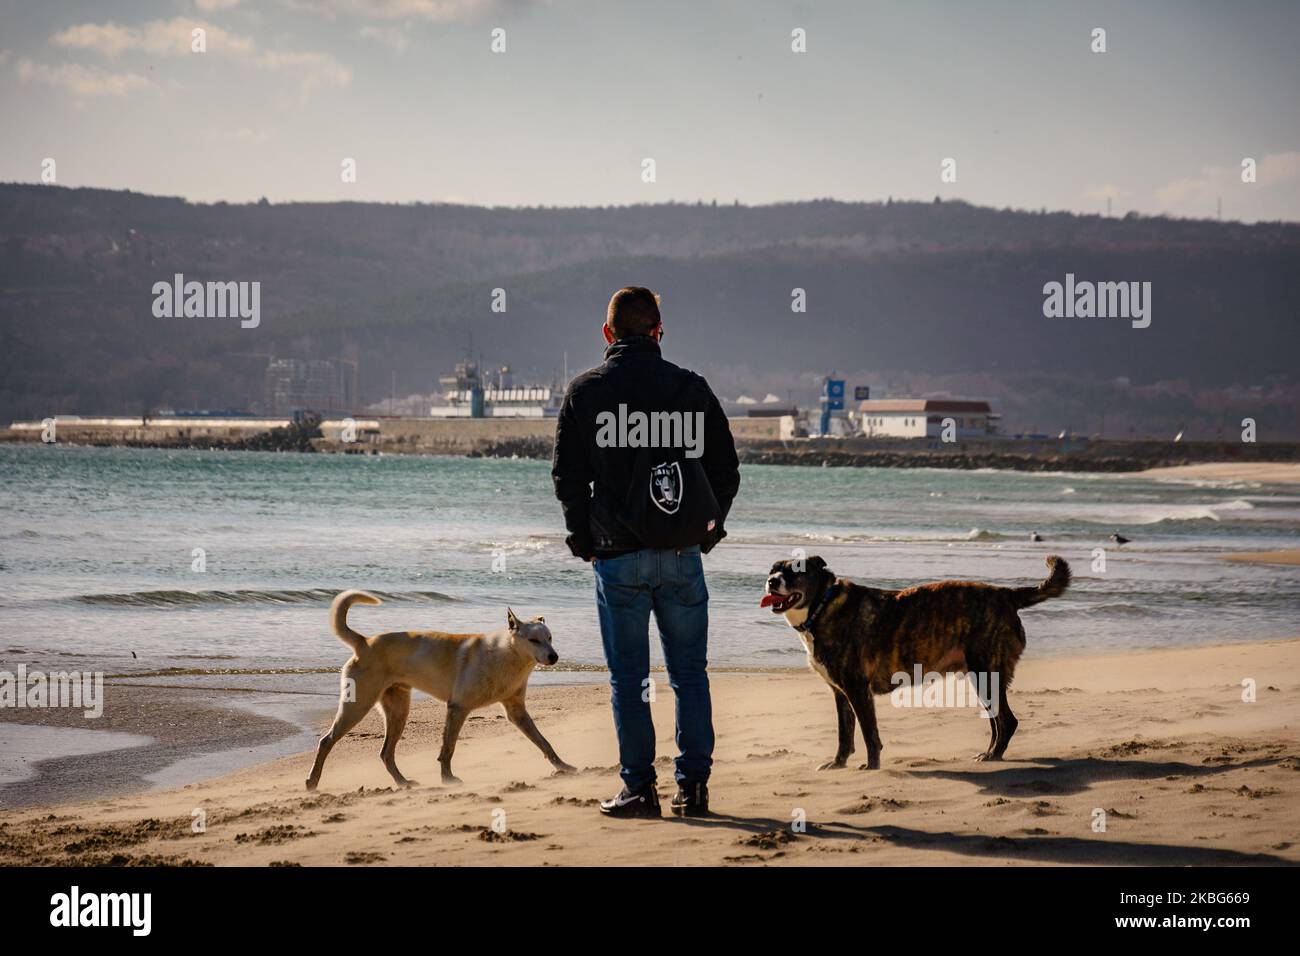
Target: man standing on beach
<point>645,469</point>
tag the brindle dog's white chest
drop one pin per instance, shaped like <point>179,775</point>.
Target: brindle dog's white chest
<point>812,657</point>
<point>796,617</point>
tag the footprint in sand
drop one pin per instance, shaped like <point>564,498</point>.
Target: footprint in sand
<point>1245,791</point>
<point>488,835</point>
<point>575,801</point>
<point>280,833</point>
<point>768,840</point>
<point>869,804</point>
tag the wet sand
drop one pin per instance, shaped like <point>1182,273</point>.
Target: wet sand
<point>149,736</point>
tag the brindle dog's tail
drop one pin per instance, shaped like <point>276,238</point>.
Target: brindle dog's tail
<point>1058,579</point>
<point>339,618</point>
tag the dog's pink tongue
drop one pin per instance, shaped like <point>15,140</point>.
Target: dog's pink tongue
<point>768,599</point>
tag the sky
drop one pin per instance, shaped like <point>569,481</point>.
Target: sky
<point>585,91</point>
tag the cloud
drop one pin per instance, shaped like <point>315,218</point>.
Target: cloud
<point>1274,169</point>
<point>173,38</point>
<point>81,80</point>
<point>1191,188</point>
<point>392,37</point>
<point>438,11</point>
<point>1277,168</point>
<point>157,38</point>
<point>210,5</point>
<point>312,70</point>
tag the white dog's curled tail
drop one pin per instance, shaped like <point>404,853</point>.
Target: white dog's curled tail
<point>339,618</point>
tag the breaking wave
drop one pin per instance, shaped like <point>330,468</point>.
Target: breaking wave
<point>1170,513</point>
<point>180,599</point>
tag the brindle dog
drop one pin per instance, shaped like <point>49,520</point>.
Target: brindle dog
<point>858,637</point>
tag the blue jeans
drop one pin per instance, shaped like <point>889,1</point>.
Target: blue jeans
<point>671,584</point>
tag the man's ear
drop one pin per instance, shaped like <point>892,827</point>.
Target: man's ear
<point>609,336</point>
<point>512,620</point>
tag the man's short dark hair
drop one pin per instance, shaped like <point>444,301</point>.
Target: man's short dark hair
<point>634,310</point>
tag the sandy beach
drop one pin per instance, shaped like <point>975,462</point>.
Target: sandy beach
<point>1290,558</point>
<point>1160,742</point>
<point>1264,472</point>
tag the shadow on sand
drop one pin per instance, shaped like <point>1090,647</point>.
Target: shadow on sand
<point>1099,849</point>
<point>1061,776</point>
<point>1031,778</point>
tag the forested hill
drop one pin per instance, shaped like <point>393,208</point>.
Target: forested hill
<point>932,293</point>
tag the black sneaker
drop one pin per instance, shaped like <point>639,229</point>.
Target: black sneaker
<point>691,800</point>
<point>633,803</point>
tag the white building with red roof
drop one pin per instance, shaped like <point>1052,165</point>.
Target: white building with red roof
<point>925,418</point>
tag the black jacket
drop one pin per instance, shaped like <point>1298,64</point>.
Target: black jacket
<point>592,482</point>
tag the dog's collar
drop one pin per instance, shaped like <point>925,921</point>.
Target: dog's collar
<point>816,609</point>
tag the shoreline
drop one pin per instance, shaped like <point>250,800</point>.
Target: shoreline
<point>1288,558</point>
<point>160,736</point>
<point>165,735</point>
<point>1268,473</point>
<point>1186,772</point>
<point>190,726</point>
<point>1211,461</point>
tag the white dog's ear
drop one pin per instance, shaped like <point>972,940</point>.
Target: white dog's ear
<point>540,620</point>
<point>512,620</point>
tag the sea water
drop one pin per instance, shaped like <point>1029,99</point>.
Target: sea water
<point>193,563</point>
